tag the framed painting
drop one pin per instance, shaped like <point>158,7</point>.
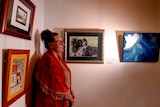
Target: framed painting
<point>17,18</point>
<point>140,47</point>
<point>15,75</point>
<point>83,45</point>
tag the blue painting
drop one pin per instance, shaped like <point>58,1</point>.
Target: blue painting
<point>140,47</point>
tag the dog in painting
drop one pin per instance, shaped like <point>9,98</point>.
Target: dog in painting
<point>80,48</point>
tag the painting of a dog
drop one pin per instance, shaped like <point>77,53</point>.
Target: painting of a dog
<point>81,48</point>
<point>83,45</point>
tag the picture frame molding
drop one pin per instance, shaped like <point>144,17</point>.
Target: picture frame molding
<point>86,60</point>
<point>9,13</point>
<point>12,93</point>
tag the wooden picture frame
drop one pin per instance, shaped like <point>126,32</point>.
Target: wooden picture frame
<point>17,18</point>
<point>90,50</point>
<point>15,75</point>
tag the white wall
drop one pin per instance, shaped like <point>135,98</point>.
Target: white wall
<point>10,42</point>
<point>112,84</point>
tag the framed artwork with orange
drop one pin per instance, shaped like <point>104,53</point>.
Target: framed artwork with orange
<point>14,75</point>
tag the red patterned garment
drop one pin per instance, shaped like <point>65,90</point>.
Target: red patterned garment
<point>51,78</point>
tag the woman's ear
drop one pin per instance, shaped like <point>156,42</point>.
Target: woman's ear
<point>50,44</point>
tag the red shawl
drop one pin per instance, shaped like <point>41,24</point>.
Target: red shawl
<point>51,79</point>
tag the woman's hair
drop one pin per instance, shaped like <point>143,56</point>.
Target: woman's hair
<point>47,36</point>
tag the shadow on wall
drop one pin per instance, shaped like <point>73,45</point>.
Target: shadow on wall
<point>32,68</point>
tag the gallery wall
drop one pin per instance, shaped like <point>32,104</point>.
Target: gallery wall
<point>114,83</point>
<point>10,42</point>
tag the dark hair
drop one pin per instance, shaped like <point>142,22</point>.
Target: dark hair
<point>47,36</point>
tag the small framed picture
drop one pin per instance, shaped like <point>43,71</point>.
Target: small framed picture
<point>83,45</point>
<point>17,18</point>
<point>15,74</point>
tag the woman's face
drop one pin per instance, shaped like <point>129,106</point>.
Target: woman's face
<point>57,45</point>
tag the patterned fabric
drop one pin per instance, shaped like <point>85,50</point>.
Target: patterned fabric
<point>52,86</point>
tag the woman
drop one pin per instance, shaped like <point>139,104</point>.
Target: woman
<point>53,75</point>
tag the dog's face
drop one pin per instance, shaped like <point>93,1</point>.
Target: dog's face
<point>78,44</point>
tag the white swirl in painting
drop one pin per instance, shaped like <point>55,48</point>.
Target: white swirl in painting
<point>131,40</point>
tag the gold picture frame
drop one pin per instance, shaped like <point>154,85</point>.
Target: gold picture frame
<point>92,49</point>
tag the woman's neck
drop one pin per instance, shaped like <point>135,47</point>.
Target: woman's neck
<point>55,54</point>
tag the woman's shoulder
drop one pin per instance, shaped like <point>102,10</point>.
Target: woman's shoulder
<point>48,56</point>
